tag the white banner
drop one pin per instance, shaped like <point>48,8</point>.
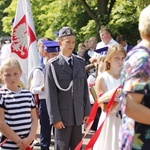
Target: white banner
<point>24,43</point>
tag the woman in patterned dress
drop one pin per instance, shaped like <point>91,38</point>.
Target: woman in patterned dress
<point>135,101</point>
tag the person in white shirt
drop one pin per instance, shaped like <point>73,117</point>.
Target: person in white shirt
<point>106,38</point>
<point>48,50</point>
<point>99,65</point>
<point>106,41</point>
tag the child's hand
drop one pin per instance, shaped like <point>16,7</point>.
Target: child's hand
<point>85,120</point>
<point>42,88</point>
<point>26,142</point>
<point>59,125</point>
<point>21,146</point>
<point>104,106</point>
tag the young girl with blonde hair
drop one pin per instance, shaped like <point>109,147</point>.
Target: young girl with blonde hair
<point>108,80</point>
<point>18,119</point>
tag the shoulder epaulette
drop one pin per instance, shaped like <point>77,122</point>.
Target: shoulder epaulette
<point>78,57</point>
<point>52,59</point>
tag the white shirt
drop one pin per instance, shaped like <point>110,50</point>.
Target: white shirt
<point>91,81</point>
<point>37,83</point>
<point>67,58</point>
<point>102,44</point>
<point>91,53</point>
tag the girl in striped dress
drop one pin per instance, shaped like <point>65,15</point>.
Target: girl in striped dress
<point>18,119</point>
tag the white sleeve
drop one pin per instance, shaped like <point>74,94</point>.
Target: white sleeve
<point>91,81</point>
<point>37,81</point>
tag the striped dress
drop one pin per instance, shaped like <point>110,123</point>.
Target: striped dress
<point>17,108</point>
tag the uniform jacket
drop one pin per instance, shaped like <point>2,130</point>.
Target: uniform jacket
<point>70,106</point>
<point>129,47</point>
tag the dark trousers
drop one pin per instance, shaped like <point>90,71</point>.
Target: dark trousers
<point>68,138</point>
<point>45,130</point>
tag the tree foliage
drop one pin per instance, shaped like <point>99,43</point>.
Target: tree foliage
<point>125,21</point>
<point>85,17</point>
<point>124,18</point>
<point>3,4</point>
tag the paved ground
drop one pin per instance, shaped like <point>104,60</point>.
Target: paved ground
<point>88,136</point>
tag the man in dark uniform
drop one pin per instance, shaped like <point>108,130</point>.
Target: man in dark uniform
<point>67,93</point>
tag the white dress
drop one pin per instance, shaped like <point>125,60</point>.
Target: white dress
<point>108,139</point>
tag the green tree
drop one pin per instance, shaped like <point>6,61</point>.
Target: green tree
<point>3,4</point>
<point>52,15</point>
<point>85,17</point>
<point>124,19</point>
<point>99,11</point>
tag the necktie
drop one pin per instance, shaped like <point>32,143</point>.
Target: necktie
<point>70,63</point>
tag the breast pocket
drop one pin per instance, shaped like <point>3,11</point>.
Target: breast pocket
<point>64,80</point>
<point>64,76</point>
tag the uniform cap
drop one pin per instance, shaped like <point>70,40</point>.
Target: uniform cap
<point>51,46</point>
<point>65,31</point>
<point>102,51</point>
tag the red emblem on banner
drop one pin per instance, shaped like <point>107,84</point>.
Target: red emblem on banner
<point>22,37</point>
